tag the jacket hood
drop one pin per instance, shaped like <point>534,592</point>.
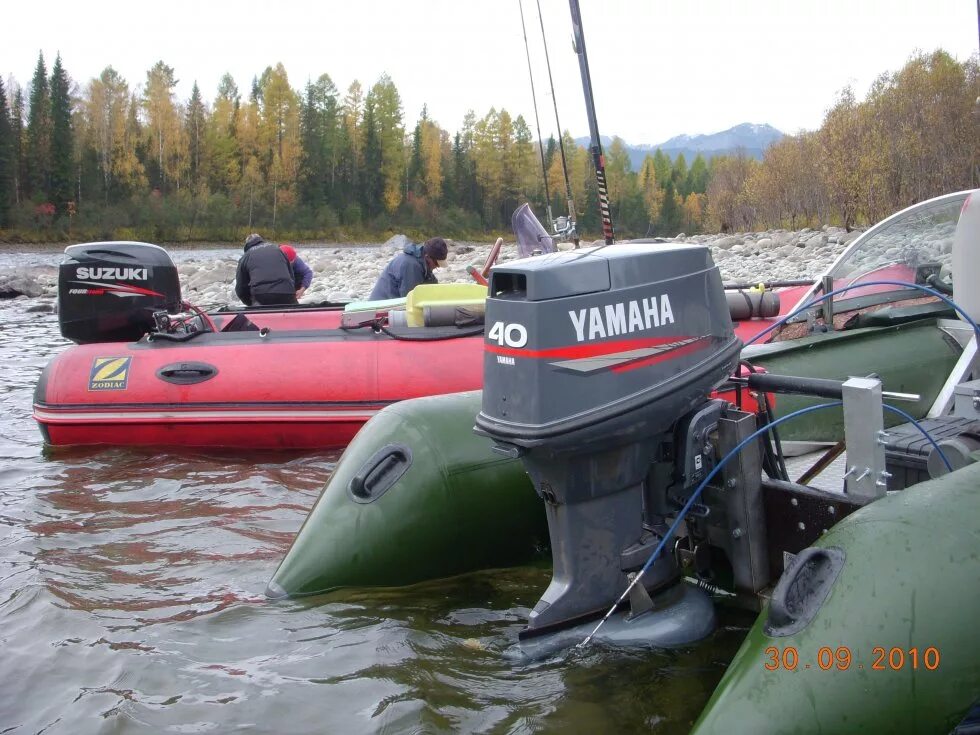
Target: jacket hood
<point>413,250</point>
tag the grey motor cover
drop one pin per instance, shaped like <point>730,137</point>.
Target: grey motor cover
<point>581,337</point>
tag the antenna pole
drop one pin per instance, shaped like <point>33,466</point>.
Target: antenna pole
<point>596,147</point>
<point>570,203</point>
<point>544,171</point>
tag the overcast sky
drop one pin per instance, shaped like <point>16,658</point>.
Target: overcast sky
<point>659,68</point>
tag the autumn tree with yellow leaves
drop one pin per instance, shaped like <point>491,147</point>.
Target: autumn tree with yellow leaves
<point>317,162</point>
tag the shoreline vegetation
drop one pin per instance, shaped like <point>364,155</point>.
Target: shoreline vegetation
<point>106,159</point>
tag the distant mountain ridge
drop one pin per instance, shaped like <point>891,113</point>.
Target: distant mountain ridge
<point>750,137</point>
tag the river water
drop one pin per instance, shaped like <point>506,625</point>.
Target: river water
<point>131,601</point>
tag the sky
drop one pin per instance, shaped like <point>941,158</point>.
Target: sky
<point>659,68</point>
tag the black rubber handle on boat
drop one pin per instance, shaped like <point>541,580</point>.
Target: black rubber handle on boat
<point>380,473</point>
<point>187,373</point>
<point>793,385</point>
<point>802,589</point>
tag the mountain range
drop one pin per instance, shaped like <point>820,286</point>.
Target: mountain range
<point>751,138</point>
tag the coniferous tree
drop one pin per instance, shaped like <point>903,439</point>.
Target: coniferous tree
<point>697,175</point>
<point>678,175</point>
<point>671,215</point>
<point>224,163</point>
<point>311,161</point>
<point>6,161</point>
<point>18,162</point>
<point>38,153</point>
<point>414,173</point>
<point>60,192</point>
<point>464,167</point>
<point>372,182</point>
<point>318,143</point>
<point>195,123</point>
<point>662,165</point>
<point>386,107</point>
<point>433,147</point>
<point>350,151</point>
<point>163,123</point>
<point>524,162</point>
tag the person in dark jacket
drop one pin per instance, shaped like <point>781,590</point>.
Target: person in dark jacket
<point>412,266</point>
<point>264,274</point>
<point>302,273</point>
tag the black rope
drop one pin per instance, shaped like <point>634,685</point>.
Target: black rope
<point>472,332</point>
<point>380,328</point>
<point>774,445</point>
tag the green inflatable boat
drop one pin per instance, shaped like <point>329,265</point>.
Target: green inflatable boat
<point>868,596</point>
<point>417,496</point>
<point>873,630</point>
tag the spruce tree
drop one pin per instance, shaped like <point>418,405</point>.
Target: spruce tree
<point>670,214</point>
<point>196,126</point>
<point>60,190</point>
<point>678,175</point>
<point>17,132</point>
<point>309,139</point>
<point>372,183</point>
<point>414,177</point>
<point>697,176</point>
<point>38,150</point>
<point>319,143</point>
<point>6,161</point>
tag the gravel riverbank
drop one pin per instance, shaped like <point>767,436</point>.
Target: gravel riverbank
<point>344,273</point>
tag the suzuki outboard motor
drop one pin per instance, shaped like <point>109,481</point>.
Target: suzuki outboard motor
<point>595,360</point>
<point>109,291</point>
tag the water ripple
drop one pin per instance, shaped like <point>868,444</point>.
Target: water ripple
<point>131,600</point>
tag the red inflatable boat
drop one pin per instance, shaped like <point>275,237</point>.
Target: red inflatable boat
<point>150,370</point>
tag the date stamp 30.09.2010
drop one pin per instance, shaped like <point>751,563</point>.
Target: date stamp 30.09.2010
<point>841,658</point>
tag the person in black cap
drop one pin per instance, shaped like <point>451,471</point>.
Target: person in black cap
<point>412,266</point>
<point>264,274</point>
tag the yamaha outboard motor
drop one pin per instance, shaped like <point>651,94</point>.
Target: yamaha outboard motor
<point>597,371</point>
<point>109,291</point>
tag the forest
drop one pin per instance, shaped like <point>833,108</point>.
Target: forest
<point>107,160</point>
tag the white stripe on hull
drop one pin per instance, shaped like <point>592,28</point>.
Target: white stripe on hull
<point>238,415</point>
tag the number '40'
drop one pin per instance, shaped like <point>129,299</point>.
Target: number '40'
<point>511,335</point>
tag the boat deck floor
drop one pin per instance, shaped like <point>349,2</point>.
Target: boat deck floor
<point>830,480</point>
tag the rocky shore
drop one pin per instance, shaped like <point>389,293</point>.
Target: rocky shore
<point>348,273</point>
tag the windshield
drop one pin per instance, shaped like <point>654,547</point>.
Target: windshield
<point>923,235</point>
<point>532,238</point>
<point>909,246</point>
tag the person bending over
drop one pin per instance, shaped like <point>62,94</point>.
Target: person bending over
<point>412,266</point>
<point>302,273</point>
<point>264,274</point>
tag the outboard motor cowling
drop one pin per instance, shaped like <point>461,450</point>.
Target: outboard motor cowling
<point>109,291</point>
<point>592,358</point>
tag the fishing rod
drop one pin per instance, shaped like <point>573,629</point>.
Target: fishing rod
<point>569,229</point>
<point>596,146</point>
<point>534,99</point>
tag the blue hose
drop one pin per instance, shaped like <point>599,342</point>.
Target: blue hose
<point>704,483</point>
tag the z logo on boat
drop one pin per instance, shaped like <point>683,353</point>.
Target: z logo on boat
<point>109,373</point>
